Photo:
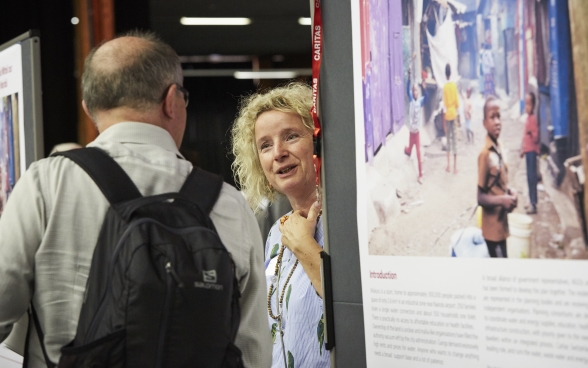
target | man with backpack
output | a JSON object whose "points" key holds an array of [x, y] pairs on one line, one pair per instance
{"points": [[125, 252]]}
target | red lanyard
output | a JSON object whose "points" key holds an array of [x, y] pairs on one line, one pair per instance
{"points": [[317, 56]]}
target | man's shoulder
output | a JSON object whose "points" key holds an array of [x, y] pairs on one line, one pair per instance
{"points": [[236, 225], [229, 192], [230, 200], [53, 166]]}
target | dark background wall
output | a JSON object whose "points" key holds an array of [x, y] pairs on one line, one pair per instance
{"points": [[53, 20], [57, 65]]}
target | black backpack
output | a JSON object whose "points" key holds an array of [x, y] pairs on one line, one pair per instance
{"points": [[162, 290]]}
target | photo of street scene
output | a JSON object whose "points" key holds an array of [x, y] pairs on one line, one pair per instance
{"points": [[472, 144], [9, 147]]}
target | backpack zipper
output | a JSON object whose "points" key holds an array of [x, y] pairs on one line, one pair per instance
{"points": [[170, 270], [171, 277]]}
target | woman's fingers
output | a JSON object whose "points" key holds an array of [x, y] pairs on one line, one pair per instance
{"points": [[299, 227]]}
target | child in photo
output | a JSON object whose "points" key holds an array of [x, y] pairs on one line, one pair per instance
{"points": [[488, 70], [415, 121], [494, 195], [467, 112], [450, 106], [530, 149]]}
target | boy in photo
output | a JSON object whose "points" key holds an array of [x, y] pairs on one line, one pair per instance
{"points": [[415, 121], [530, 149], [494, 195]]}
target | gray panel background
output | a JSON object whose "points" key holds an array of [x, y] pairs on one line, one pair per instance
{"points": [[338, 120], [32, 100]]}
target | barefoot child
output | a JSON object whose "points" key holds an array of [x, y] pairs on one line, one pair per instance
{"points": [[415, 121], [494, 195], [450, 106], [530, 149]]}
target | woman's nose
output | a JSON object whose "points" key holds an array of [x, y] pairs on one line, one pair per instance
{"points": [[279, 151]]}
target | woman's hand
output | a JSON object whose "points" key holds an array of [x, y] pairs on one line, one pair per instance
{"points": [[298, 235], [298, 230]]}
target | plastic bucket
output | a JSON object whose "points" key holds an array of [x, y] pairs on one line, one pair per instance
{"points": [[518, 243], [519, 221]]}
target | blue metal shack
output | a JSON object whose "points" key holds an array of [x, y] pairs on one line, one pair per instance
{"points": [[563, 107], [561, 66]]}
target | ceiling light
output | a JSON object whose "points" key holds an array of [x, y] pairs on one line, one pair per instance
{"points": [[75, 20], [216, 58], [282, 74], [188, 21], [249, 74], [304, 21]]}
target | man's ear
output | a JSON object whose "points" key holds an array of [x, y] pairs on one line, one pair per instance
{"points": [[86, 109], [169, 102]]}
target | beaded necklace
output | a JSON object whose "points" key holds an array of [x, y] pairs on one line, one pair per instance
{"points": [[274, 279]]}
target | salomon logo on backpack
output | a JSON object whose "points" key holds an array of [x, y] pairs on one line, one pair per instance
{"points": [[162, 290]]}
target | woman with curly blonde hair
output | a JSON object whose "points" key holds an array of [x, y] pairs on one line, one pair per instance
{"points": [[272, 140]]}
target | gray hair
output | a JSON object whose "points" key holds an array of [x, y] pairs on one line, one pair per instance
{"points": [[135, 78]]}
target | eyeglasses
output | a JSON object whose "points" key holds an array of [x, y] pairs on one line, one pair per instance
{"points": [[181, 89], [185, 92]]}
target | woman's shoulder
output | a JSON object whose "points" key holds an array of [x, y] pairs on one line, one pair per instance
{"points": [[274, 233]]}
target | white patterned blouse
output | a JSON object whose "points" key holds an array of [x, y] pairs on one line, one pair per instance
{"points": [[302, 323]]}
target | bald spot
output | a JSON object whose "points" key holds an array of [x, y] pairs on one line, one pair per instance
{"points": [[118, 53]]}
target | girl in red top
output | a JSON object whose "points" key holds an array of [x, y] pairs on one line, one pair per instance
{"points": [[530, 150]]}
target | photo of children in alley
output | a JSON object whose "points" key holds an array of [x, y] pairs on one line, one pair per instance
{"points": [[472, 144], [9, 147]]}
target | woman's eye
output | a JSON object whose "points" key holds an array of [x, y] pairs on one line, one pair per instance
{"points": [[292, 136], [263, 146]]}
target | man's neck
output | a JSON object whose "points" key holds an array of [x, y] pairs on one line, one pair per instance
{"points": [[106, 119]]}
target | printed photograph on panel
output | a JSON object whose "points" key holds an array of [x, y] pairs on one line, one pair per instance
{"points": [[9, 147], [472, 144]]}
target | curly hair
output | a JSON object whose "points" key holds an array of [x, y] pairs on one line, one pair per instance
{"points": [[293, 98]]}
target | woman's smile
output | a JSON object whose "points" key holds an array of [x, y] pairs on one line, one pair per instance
{"points": [[290, 169]]}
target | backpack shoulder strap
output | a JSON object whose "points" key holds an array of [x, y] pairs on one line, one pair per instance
{"points": [[203, 188], [33, 318], [112, 180]]}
